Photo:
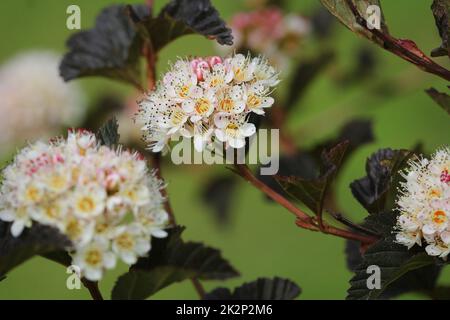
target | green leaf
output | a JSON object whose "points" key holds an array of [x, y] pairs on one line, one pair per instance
{"points": [[342, 11], [260, 289], [312, 192], [184, 17], [108, 134], [382, 168], [401, 270], [37, 240], [111, 49], [441, 13], [171, 260], [440, 98]]}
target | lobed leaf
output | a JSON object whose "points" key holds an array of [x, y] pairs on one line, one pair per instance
{"points": [[110, 49], [184, 17], [382, 167], [312, 192], [401, 270], [171, 260], [37, 240]]}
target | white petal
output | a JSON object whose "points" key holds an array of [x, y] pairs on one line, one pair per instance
{"points": [[7, 215], [433, 250], [158, 146], [428, 229], [93, 274], [158, 233], [237, 143], [143, 246], [198, 143], [220, 120], [109, 260], [248, 129], [17, 227], [239, 106], [267, 102], [196, 118], [258, 111], [445, 236], [128, 257], [188, 106], [220, 135]]}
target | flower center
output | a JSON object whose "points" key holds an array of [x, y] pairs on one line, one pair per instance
{"points": [[101, 227], [184, 91], [226, 105], [52, 212], [231, 130], [125, 241], [57, 182], [253, 101], [86, 204], [73, 229], [439, 217], [216, 81], [202, 106], [32, 193], [238, 74], [435, 193], [93, 257]]}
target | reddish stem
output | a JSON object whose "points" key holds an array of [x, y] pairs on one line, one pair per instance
{"points": [[392, 45], [303, 219]]}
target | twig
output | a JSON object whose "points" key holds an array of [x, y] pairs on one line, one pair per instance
{"points": [[392, 45], [339, 217], [93, 289], [303, 219], [198, 287]]}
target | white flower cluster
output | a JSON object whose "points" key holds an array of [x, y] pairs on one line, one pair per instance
{"points": [[105, 201], [208, 99], [35, 100], [424, 205]]}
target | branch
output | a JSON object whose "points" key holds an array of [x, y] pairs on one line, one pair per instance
{"points": [[303, 220], [93, 289], [339, 217], [398, 47]]}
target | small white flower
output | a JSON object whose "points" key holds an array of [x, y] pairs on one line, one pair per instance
{"points": [[424, 203], [20, 218], [233, 130], [93, 259], [129, 243], [88, 202]]}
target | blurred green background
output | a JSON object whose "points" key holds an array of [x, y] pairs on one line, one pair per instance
{"points": [[262, 240]]}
